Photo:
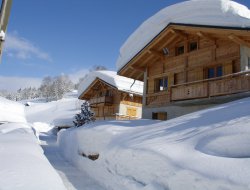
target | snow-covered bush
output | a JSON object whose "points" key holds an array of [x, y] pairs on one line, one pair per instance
{"points": [[85, 116]]}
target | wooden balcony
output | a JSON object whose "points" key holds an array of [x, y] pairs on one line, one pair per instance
{"points": [[158, 99], [225, 85], [101, 100]]}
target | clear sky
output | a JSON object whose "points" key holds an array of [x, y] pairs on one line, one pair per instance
{"points": [[50, 37]]}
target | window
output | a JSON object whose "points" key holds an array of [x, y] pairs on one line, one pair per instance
{"points": [[210, 73], [219, 71], [108, 93], [160, 115], [161, 84], [193, 46], [180, 50], [216, 71]]}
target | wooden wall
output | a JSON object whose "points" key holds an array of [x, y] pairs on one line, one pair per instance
{"points": [[191, 66]]}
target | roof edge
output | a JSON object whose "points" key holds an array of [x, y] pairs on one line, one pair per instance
{"points": [[97, 78], [182, 24]]}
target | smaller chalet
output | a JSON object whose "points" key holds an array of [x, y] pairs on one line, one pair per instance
{"points": [[112, 97]]}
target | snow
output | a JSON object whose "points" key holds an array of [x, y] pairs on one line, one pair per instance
{"points": [[11, 111], [46, 115], [208, 149], [23, 165], [224, 13], [73, 178], [110, 77], [43, 116]]}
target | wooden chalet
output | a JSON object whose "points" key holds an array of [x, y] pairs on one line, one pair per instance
{"points": [[112, 97], [187, 67]]}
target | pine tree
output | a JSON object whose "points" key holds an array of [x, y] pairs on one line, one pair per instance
{"points": [[85, 116]]}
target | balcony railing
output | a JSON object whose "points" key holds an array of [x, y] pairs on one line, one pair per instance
{"points": [[225, 85], [103, 99]]}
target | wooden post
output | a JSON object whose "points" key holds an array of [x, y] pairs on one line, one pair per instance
{"points": [[144, 99], [103, 112]]}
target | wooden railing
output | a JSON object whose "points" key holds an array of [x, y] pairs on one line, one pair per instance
{"points": [[225, 85], [103, 99], [160, 98]]}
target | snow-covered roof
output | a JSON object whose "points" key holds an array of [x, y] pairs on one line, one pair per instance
{"points": [[223, 13], [110, 77]]}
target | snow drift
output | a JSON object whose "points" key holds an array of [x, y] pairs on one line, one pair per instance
{"points": [[23, 165], [208, 149], [11, 111], [224, 13]]}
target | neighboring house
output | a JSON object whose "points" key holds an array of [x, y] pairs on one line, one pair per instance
{"points": [[190, 56], [111, 96]]}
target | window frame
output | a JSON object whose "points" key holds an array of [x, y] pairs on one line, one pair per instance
{"points": [[161, 87], [189, 46], [216, 72], [177, 50]]}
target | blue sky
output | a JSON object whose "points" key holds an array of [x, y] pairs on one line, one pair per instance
{"points": [[50, 37]]}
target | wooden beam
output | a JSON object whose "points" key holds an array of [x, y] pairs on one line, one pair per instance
{"points": [[179, 33], [156, 53], [135, 68], [139, 76], [152, 62], [206, 36], [169, 41], [238, 40], [211, 30]]}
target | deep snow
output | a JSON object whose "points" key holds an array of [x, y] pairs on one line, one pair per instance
{"points": [[225, 13], [73, 178], [11, 111], [208, 149], [23, 165], [44, 117]]}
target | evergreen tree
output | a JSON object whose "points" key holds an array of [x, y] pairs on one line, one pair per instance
{"points": [[85, 116]]}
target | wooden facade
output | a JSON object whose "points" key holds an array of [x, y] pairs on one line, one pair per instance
{"points": [[109, 103], [187, 62]]}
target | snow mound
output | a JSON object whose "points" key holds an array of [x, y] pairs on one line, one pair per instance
{"points": [[23, 165], [10, 127], [110, 77], [224, 13], [11, 111], [208, 149], [225, 146]]}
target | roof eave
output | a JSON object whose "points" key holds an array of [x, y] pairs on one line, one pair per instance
{"points": [[180, 24], [91, 84]]}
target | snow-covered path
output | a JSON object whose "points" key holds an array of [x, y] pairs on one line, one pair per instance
{"points": [[71, 176]]}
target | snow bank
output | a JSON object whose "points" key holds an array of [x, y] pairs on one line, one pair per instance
{"points": [[200, 12], [208, 149], [22, 163], [110, 77], [11, 111]]}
